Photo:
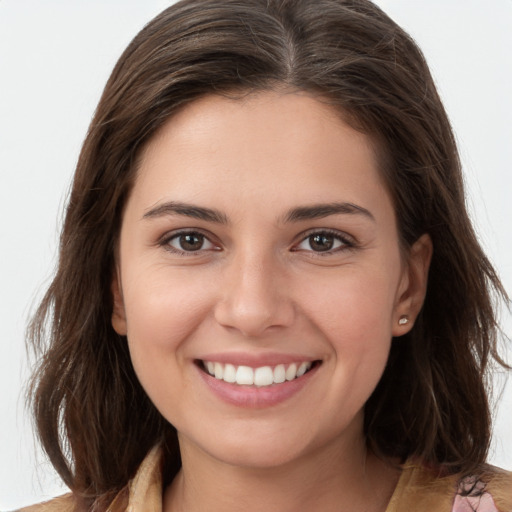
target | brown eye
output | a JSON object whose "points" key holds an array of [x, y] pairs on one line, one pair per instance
{"points": [[189, 242], [324, 241], [321, 242]]}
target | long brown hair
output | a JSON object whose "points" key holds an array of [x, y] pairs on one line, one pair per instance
{"points": [[94, 420]]}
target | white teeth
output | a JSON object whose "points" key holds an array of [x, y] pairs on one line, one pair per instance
{"points": [[219, 371], [262, 376], [279, 374], [245, 376], [302, 369], [229, 373], [291, 373]]}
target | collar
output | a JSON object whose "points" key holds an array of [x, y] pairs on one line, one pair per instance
{"points": [[418, 489], [144, 492]]}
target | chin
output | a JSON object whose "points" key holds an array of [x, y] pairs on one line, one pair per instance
{"points": [[252, 450], [258, 456]]}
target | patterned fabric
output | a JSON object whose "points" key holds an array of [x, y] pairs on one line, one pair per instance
{"points": [[418, 490], [473, 497]]}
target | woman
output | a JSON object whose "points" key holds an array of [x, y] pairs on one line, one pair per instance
{"points": [[269, 294]]}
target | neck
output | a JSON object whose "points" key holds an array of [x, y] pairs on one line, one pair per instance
{"points": [[332, 477]]}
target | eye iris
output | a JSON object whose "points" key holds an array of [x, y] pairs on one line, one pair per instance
{"points": [[321, 242], [191, 242]]}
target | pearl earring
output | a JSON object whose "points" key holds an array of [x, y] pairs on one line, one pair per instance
{"points": [[403, 320]]}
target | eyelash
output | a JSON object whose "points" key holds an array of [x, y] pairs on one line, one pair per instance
{"points": [[167, 239], [346, 242]]}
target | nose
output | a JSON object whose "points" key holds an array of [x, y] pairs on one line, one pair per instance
{"points": [[255, 297]]}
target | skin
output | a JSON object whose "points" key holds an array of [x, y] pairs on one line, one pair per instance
{"points": [[258, 285]]}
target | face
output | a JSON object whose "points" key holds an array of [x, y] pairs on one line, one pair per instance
{"points": [[260, 278]]}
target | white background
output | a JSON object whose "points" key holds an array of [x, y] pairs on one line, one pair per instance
{"points": [[55, 57]]}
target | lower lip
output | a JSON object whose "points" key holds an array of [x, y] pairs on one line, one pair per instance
{"points": [[253, 396]]}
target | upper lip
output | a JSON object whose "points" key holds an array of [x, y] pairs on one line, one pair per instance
{"points": [[256, 360]]}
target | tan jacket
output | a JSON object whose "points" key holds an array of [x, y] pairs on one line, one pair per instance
{"points": [[417, 491]]}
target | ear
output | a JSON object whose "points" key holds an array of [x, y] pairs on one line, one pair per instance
{"points": [[413, 286], [118, 312]]}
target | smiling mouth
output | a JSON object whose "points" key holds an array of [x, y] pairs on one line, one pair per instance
{"points": [[261, 376]]}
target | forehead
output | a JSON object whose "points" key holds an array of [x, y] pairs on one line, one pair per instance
{"points": [[286, 146]]}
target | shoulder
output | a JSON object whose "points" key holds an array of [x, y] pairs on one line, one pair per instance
{"points": [[423, 490], [490, 492], [145, 488], [64, 503]]}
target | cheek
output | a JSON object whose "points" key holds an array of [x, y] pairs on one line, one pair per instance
{"points": [[351, 305], [162, 313], [354, 315], [164, 308]]}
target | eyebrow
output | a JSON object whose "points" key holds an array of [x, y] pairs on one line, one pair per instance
{"points": [[319, 211], [301, 213], [188, 210]]}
